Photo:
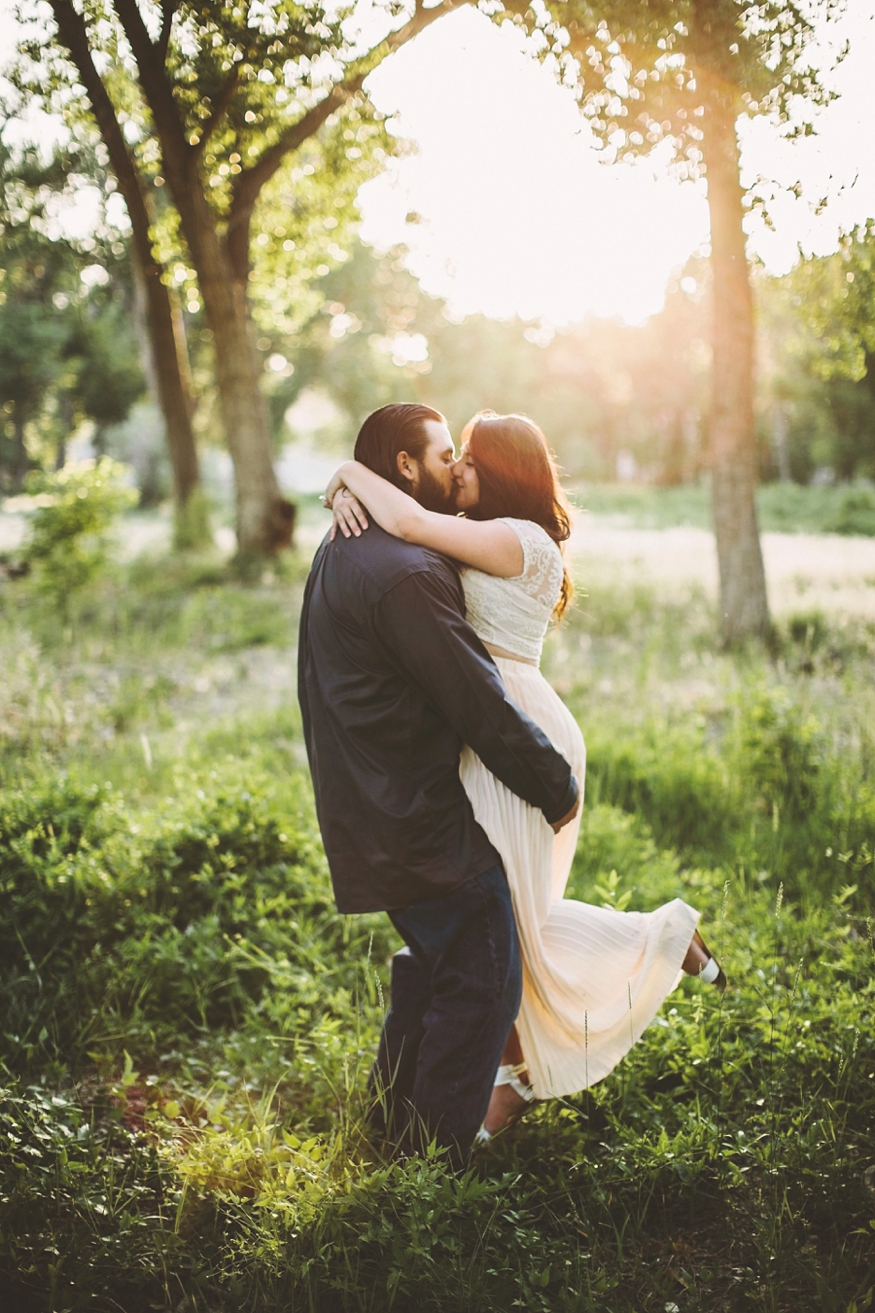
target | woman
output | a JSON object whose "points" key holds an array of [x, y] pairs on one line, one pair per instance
{"points": [[593, 978]]}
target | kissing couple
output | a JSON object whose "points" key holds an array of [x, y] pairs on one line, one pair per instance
{"points": [[448, 778]]}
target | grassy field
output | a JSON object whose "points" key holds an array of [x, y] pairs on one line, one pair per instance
{"points": [[782, 507], [187, 1023]]}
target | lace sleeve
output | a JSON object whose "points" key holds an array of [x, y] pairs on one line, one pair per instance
{"points": [[543, 568]]}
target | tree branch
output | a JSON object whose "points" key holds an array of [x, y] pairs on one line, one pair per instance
{"points": [[168, 10], [156, 87], [223, 100], [251, 181], [73, 33]]}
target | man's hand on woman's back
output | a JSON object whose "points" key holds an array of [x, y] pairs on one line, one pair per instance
{"points": [[566, 820]]}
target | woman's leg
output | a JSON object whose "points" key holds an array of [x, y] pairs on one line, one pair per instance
{"points": [[701, 962], [505, 1105], [695, 959], [513, 1050]]}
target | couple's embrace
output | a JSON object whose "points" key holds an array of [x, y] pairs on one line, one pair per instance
{"points": [[449, 776]]}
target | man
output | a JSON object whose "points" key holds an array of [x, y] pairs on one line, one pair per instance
{"points": [[392, 681]]}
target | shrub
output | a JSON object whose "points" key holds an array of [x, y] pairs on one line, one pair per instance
{"points": [[155, 927], [855, 514], [75, 508]]}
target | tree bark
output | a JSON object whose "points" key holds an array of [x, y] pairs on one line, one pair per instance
{"points": [[265, 519], [169, 353], [20, 460], [168, 370], [743, 599]]}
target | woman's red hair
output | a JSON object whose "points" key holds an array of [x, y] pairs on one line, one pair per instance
{"points": [[518, 478]]}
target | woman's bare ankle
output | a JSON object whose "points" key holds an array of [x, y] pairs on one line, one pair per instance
{"points": [[505, 1105], [695, 959]]}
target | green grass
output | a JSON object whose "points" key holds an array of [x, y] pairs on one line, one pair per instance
{"points": [[782, 507], [187, 1023]]}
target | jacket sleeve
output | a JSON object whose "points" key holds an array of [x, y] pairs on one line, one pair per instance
{"points": [[421, 626]]}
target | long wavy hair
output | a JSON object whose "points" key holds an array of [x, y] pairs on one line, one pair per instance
{"points": [[518, 478]]}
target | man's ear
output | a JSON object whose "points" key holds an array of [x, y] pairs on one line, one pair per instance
{"points": [[407, 467]]}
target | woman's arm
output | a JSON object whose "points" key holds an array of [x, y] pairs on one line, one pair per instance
{"points": [[489, 545]]}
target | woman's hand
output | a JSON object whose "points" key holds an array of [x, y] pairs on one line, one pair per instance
{"points": [[349, 514]]}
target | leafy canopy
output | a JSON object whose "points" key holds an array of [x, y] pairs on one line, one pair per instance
{"points": [[646, 70]]}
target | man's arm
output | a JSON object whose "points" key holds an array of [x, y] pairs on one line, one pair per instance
{"points": [[420, 623]]}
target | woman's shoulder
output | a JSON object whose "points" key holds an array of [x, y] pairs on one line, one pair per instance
{"points": [[531, 535]]}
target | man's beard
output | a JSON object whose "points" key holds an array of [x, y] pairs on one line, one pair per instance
{"points": [[431, 494]]}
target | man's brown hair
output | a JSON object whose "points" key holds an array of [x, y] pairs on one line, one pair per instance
{"points": [[390, 430]]}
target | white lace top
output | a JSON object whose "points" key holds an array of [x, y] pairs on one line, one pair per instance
{"points": [[514, 613]]}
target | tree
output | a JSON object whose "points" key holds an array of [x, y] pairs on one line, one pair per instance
{"points": [[66, 349], [166, 346], [820, 339], [228, 92], [836, 295], [682, 72]]}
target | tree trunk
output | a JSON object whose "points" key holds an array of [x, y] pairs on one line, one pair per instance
{"points": [[66, 429], [265, 520], [20, 459], [166, 368], [743, 601], [169, 356], [168, 360]]}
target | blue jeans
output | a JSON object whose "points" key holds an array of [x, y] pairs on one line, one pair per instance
{"points": [[455, 995]]}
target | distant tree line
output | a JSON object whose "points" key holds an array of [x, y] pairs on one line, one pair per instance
{"points": [[72, 350], [603, 390]]}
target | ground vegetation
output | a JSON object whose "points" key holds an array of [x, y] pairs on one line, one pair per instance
{"points": [[187, 1023]]}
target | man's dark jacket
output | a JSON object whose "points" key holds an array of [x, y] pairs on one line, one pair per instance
{"points": [[392, 680]]}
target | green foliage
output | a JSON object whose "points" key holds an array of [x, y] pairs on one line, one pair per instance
{"points": [[188, 1023], [595, 389], [856, 514], [161, 927], [97, 1240], [752, 780], [67, 351], [835, 297], [782, 507], [75, 509], [670, 65], [820, 362]]}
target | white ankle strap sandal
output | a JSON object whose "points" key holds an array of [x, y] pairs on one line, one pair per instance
{"points": [[509, 1074], [710, 971]]}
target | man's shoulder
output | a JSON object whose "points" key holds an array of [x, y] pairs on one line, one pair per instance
{"points": [[384, 561]]}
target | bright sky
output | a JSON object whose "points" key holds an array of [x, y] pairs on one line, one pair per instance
{"points": [[521, 218], [518, 215]]}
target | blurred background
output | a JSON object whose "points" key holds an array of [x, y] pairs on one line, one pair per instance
{"points": [[476, 253]]}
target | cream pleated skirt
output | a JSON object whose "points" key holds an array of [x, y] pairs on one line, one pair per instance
{"points": [[593, 978]]}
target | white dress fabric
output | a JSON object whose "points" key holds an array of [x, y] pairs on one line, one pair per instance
{"points": [[593, 978]]}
